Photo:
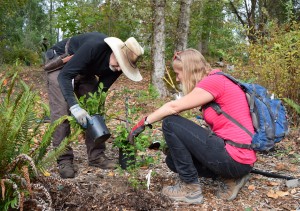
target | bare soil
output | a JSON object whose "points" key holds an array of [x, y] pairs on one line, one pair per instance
{"points": [[97, 189]]}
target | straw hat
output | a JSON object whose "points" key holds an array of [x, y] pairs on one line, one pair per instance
{"points": [[127, 54]]}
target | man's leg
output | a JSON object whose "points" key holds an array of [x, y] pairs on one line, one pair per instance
{"points": [[95, 151], [58, 108]]}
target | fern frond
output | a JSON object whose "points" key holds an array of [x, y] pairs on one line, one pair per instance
{"points": [[25, 172], [10, 89], [41, 188], [41, 150], [54, 154], [7, 115], [21, 157], [22, 121], [293, 104], [15, 189]]}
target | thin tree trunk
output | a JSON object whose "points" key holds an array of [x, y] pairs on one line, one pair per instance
{"points": [[51, 28], [183, 25], [159, 47]]}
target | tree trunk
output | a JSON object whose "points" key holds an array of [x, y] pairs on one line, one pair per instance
{"points": [[159, 47], [183, 25], [51, 27]]}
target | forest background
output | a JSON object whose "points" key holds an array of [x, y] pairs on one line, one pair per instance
{"points": [[259, 38]]}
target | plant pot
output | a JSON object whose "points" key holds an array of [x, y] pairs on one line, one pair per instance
{"points": [[98, 130], [126, 159], [154, 145]]}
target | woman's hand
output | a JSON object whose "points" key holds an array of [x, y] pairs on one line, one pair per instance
{"points": [[137, 129]]}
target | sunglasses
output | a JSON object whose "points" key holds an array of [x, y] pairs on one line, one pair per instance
{"points": [[176, 55]]}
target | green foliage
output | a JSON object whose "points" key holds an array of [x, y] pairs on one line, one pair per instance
{"points": [[208, 28], [24, 55], [150, 94], [23, 23], [292, 104], [17, 117], [274, 62], [94, 103], [20, 144], [138, 149]]}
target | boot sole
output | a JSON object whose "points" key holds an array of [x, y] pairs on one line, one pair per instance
{"points": [[238, 188], [197, 199], [103, 167]]}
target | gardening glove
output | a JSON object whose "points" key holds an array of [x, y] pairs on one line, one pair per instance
{"points": [[80, 115], [137, 129]]}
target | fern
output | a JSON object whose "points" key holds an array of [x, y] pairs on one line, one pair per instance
{"points": [[19, 111], [293, 104], [18, 118], [52, 155], [40, 152]]}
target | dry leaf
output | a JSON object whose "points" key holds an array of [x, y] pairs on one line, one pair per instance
{"points": [[46, 174], [4, 82], [293, 168], [281, 193], [293, 191], [251, 187], [272, 194], [111, 174], [275, 195], [280, 166], [270, 183]]}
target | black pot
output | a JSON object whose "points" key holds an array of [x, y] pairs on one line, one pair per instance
{"points": [[98, 130], [125, 158]]}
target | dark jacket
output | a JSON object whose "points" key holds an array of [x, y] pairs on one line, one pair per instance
{"points": [[90, 57]]}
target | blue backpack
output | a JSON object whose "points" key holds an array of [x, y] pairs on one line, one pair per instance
{"points": [[268, 116]]}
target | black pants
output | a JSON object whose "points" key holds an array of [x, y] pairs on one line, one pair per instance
{"points": [[59, 107], [195, 151]]}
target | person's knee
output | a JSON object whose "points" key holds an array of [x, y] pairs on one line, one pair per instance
{"points": [[169, 119]]}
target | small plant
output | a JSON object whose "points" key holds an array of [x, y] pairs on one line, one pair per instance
{"points": [[94, 103], [131, 150], [150, 94], [136, 153]]}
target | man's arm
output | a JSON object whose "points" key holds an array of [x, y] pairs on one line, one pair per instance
{"points": [[77, 65]]}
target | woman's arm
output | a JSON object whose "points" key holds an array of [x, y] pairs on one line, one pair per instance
{"points": [[195, 98]]}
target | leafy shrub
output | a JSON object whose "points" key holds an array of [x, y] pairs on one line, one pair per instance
{"points": [[26, 56], [274, 62], [138, 149], [94, 103]]}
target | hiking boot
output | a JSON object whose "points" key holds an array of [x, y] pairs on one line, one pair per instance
{"points": [[230, 187], [103, 162], [66, 169], [186, 192]]}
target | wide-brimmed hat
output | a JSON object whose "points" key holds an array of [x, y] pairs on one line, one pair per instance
{"points": [[127, 54]]}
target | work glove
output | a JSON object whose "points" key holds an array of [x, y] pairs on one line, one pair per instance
{"points": [[137, 129], [80, 115]]}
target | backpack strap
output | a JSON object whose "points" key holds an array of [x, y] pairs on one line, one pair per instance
{"points": [[219, 111], [243, 146]]}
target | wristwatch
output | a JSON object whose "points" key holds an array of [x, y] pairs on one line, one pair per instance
{"points": [[146, 123]]}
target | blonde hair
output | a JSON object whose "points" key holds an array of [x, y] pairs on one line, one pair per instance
{"points": [[194, 67]]}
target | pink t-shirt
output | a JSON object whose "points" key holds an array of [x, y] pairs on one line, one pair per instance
{"points": [[233, 101]]}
